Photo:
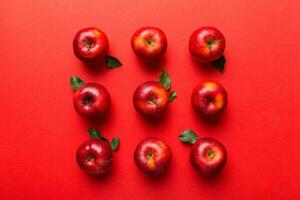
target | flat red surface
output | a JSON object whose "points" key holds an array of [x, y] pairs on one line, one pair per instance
{"points": [[40, 130]]}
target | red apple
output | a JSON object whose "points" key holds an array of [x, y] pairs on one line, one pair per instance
{"points": [[207, 154], [95, 156], [90, 44], [152, 97], [152, 156], [207, 44], [149, 43], [90, 100], [209, 98]]}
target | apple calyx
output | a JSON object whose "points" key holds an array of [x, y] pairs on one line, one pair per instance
{"points": [[76, 82], [165, 80], [219, 64], [88, 43], [188, 136], [112, 62], [95, 134], [210, 154]]}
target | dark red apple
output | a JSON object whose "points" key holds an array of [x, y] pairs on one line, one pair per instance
{"points": [[149, 43], [152, 156], [207, 44], [90, 100], [152, 97], [209, 98], [95, 156], [207, 154], [90, 44]]}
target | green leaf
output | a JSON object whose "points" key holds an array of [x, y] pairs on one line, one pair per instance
{"points": [[95, 134], [219, 64], [172, 96], [188, 136], [165, 79], [114, 143], [76, 82], [112, 62]]}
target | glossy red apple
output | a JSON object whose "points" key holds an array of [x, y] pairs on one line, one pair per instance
{"points": [[90, 100], [95, 156], [90, 44], [207, 154], [209, 98], [207, 44], [152, 156], [152, 97], [149, 43]]}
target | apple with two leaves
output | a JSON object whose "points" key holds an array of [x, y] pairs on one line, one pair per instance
{"points": [[152, 97], [95, 156]]}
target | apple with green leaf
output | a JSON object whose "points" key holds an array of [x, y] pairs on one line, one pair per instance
{"points": [[91, 45], [95, 155], [207, 44], [152, 97], [207, 155], [90, 100]]}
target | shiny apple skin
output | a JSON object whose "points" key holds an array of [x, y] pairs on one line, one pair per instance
{"points": [[90, 44], [151, 99], [209, 98], [91, 101], [149, 43], [208, 156], [207, 44], [94, 157], [152, 156]]}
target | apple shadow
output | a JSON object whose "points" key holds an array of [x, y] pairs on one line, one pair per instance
{"points": [[153, 121], [97, 122], [150, 66], [95, 68], [101, 177], [158, 179], [211, 179], [212, 122], [202, 67]]}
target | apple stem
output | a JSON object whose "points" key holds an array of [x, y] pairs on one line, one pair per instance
{"points": [[152, 100], [90, 157], [210, 154], [149, 154], [89, 43], [149, 42]]}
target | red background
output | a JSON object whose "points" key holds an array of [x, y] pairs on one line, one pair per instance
{"points": [[40, 130]]}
